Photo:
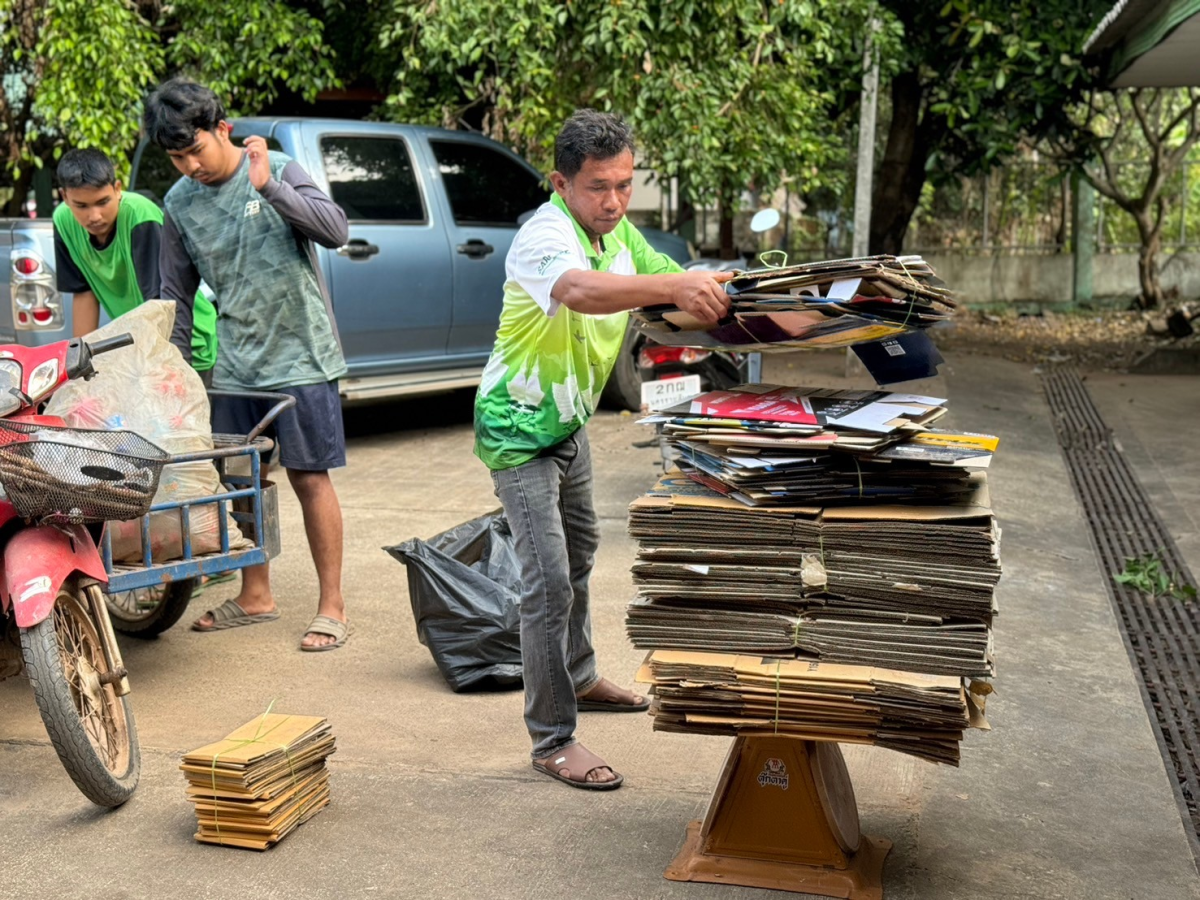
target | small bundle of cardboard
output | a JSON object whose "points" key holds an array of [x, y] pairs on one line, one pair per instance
{"points": [[254, 787]]}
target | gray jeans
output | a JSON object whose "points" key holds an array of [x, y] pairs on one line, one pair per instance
{"points": [[548, 503]]}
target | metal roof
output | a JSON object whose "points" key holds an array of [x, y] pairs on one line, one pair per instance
{"points": [[1117, 23]]}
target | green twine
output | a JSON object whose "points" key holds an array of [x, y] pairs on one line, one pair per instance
{"points": [[259, 734], [773, 254]]}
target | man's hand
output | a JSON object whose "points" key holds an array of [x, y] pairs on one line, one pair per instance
{"points": [[260, 163], [700, 295]]}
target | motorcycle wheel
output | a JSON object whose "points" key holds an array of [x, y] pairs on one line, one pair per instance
{"points": [[624, 387], [92, 729], [148, 612]]}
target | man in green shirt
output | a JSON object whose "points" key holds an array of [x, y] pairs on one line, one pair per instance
{"points": [[574, 271], [106, 247]]}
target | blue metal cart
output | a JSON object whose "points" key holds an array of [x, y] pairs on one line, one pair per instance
{"points": [[147, 597]]}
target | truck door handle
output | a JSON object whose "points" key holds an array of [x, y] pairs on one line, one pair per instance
{"points": [[476, 249], [358, 249]]}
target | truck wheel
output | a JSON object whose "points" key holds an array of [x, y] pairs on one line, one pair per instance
{"points": [[92, 729], [624, 388], [150, 611]]}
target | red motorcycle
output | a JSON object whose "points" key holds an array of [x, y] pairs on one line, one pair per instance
{"points": [[59, 484]]}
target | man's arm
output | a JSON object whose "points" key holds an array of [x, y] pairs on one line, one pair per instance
{"points": [[145, 246], [85, 308], [67, 276], [601, 293], [85, 313], [306, 208], [180, 281]]}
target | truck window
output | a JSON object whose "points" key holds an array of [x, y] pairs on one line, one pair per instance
{"points": [[372, 179], [486, 187]]}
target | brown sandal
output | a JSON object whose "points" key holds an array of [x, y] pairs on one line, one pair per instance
{"points": [[607, 697], [577, 758]]}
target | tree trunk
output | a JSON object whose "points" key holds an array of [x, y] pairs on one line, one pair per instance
{"points": [[1150, 232], [15, 207], [902, 172], [685, 219], [725, 234]]}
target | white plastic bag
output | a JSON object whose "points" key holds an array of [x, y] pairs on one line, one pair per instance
{"points": [[150, 389]]}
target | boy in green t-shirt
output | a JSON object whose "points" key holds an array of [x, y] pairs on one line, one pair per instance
{"points": [[106, 246]]}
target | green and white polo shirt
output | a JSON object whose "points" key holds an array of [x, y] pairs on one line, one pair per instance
{"points": [[550, 363]]}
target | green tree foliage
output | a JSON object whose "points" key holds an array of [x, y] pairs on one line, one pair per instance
{"points": [[73, 72], [972, 79], [247, 51], [1128, 144], [725, 94], [58, 80]]}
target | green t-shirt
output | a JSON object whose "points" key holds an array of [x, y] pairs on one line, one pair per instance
{"points": [[550, 363], [125, 273]]}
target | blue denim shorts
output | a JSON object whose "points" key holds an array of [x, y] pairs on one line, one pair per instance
{"points": [[310, 435]]}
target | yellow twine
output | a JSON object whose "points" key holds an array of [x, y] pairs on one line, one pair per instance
{"points": [[908, 275], [778, 664]]}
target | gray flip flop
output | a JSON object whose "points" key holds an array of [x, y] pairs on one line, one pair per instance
{"points": [[330, 626], [230, 615]]}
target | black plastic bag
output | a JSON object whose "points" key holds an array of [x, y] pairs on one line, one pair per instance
{"points": [[464, 586]]}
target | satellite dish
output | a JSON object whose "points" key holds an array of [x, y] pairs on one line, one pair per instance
{"points": [[764, 220]]}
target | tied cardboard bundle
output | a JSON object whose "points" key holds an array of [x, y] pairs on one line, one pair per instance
{"points": [[254, 787], [715, 693], [878, 305], [908, 587]]}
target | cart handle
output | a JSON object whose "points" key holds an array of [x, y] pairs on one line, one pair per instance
{"points": [[281, 401]]}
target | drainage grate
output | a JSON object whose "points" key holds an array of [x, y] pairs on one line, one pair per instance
{"points": [[1161, 635]]}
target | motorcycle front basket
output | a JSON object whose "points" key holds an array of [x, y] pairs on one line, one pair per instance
{"points": [[77, 475]]}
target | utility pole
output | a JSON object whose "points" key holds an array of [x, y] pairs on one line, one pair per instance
{"points": [[866, 166], [866, 143]]}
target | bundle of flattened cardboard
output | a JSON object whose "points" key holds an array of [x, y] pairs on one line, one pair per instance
{"points": [[882, 590], [879, 306], [909, 587], [718, 693], [832, 303], [254, 787]]}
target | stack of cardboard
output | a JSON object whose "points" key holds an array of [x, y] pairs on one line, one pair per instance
{"points": [[714, 693], [252, 788], [771, 445], [910, 587], [879, 306], [833, 303]]}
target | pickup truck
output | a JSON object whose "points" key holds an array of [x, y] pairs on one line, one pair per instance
{"points": [[416, 290]]}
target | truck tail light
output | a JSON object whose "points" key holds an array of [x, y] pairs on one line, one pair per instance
{"points": [[37, 304], [26, 265]]}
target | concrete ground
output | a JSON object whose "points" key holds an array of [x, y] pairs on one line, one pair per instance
{"points": [[433, 796]]}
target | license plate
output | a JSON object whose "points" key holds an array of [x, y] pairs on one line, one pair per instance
{"points": [[666, 392]]}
